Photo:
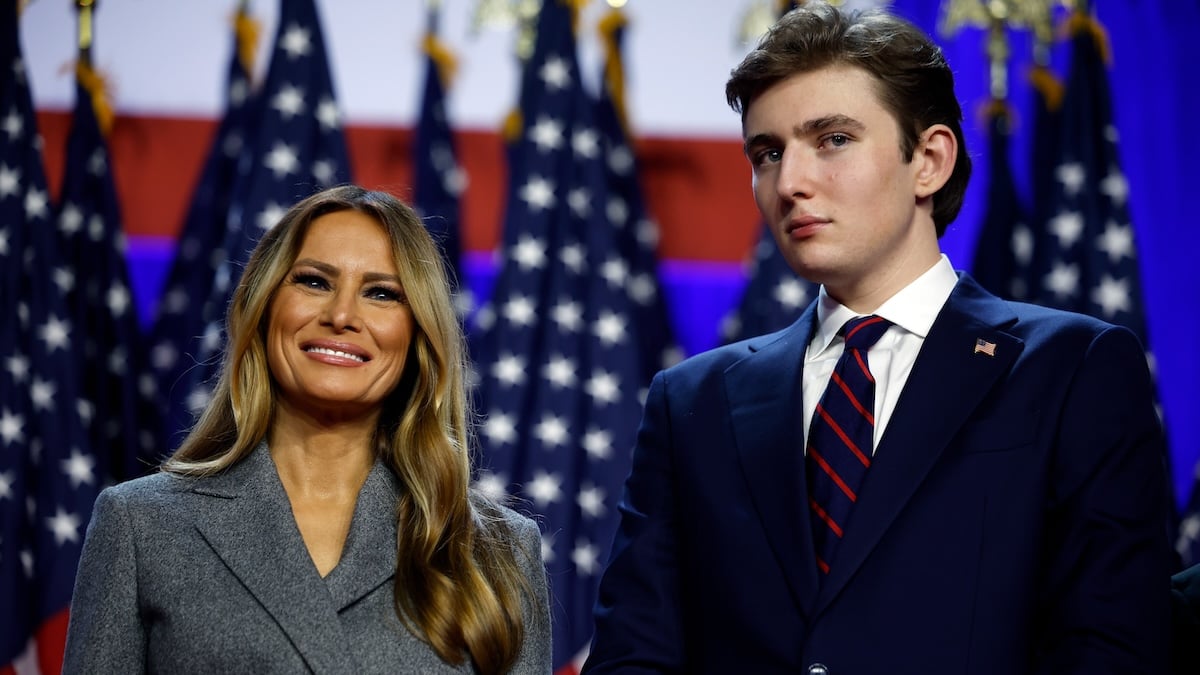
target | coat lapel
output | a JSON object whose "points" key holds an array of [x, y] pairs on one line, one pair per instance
{"points": [[948, 380], [369, 557], [245, 516], [765, 410]]}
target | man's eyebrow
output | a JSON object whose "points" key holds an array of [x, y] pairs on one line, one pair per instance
{"points": [[828, 121], [815, 125]]}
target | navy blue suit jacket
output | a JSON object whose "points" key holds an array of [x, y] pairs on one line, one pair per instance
{"points": [[1013, 520]]}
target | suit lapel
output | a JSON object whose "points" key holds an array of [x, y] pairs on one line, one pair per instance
{"points": [[765, 410], [245, 516], [948, 380], [369, 557]]}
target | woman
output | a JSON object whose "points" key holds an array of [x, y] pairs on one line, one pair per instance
{"points": [[318, 517]]}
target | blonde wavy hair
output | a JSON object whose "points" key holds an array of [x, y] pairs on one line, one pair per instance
{"points": [[459, 584]]}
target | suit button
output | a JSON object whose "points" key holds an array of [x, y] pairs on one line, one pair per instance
{"points": [[818, 669]]}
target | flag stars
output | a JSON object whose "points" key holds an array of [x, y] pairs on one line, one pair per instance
{"points": [[615, 272], [510, 370], [546, 134], [41, 393], [544, 489], [282, 160], [327, 114], [12, 427], [529, 253], [296, 41], [791, 293], [598, 443], [1115, 186], [36, 204], [12, 125], [573, 258], [1063, 280], [538, 193], [324, 171], [289, 101], [55, 333], [560, 372], [591, 500], [70, 220], [268, 218], [79, 469], [1022, 243], [1068, 227], [586, 143], [64, 279], [65, 526], [552, 431], [118, 299], [18, 367], [1116, 241], [500, 429], [568, 316], [610, 328], [1072, 176], [493, 485], [586, 558], [580, 201], [603, 387], [1112, 296], [6, 484], [10, 181], [519, 311], [555, 73], [620, 160]]}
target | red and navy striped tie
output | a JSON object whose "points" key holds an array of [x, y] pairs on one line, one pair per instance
{"points": [[840, 438]]}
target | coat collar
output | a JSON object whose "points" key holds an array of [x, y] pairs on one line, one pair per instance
{"points": [[948, 377], [246, 518]]}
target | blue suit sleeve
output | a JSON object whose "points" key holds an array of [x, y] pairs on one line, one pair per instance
{"points": [[1107, 581], [105, 633], [638, 615]]}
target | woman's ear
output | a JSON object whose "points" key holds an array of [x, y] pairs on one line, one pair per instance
{"points": [[935, 155]]}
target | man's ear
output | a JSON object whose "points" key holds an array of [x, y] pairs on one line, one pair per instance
{"points": [[935, 155]]}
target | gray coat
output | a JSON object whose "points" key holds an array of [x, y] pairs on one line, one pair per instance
{"points": [[210, 575]]}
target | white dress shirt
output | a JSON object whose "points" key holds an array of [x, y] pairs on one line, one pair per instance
{"points": [[912, 311]]}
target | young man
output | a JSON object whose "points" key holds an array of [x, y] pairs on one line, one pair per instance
{"points": [[954, 484]]}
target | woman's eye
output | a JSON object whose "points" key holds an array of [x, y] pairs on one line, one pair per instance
{"points": [[309, 281], [384, 293]]}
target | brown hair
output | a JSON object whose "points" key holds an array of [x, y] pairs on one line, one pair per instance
{"points": [[458, 581], [914, 81]]}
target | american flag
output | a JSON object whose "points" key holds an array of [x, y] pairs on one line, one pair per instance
{"points": [[438, 178], [1084, 252], [636, 257], [1004, 249], [294, 148], [48, 474], [122, 419], [559, 369], [174, 338], [774, 296]]}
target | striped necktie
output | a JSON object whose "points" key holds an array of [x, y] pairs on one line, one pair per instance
{"points": [[840, 438]]}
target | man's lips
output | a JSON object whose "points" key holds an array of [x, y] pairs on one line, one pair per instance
{"points": [[804, 226]]}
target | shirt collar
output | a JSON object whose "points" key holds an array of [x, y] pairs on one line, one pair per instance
{"points": [[913, 308]]}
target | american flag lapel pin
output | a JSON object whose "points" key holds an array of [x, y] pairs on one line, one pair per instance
{"points": [[984, 347]]}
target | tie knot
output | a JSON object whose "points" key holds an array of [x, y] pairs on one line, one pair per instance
{"points": [[863, 331]]}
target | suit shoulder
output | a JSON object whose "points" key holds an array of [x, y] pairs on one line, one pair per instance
{"points": [[1039, 323], [155, 489]]}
